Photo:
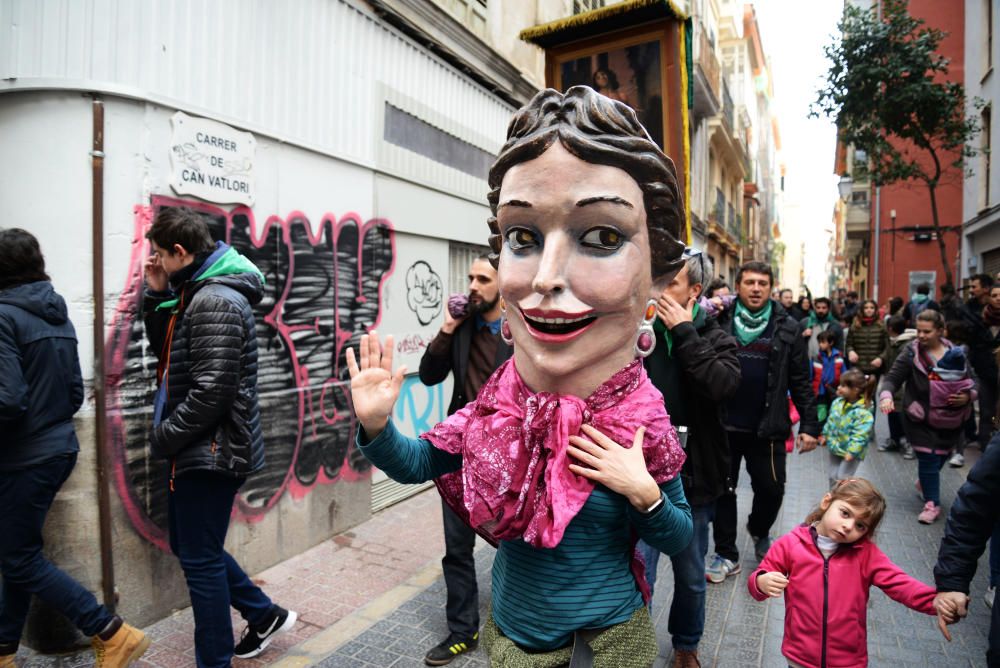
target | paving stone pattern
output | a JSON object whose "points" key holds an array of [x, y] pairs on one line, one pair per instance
{"points": [[739, 631], [334, 579]]}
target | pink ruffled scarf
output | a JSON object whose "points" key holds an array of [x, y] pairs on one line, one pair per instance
{"points": [[515, 480]]}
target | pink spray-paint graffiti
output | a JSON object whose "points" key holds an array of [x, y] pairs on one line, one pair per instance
{"points": [[323, 291]]}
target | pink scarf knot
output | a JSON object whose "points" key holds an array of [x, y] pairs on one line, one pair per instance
{"points": [[515, 480]]}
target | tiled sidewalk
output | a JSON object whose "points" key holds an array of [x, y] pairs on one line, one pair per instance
{"points": [[739, 631], [374, 598], [326, 585]]}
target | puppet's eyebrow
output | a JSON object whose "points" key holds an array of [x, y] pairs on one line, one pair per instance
{"points": [[614, 199], [515, 202]]}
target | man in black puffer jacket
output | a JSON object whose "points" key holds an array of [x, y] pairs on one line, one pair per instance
{"points": [[41, 388], [694, 365], [206, 421], [973, 518]]}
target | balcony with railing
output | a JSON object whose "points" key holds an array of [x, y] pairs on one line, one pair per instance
{"points": [[720, 208], [709, 69], [728, 108], [723, 223]]}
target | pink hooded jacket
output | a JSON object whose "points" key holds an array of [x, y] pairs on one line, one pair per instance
{"points": [[826, 600]]}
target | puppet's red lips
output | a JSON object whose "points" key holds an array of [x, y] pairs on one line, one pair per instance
{"points": [[557, 326], [557, 322]]}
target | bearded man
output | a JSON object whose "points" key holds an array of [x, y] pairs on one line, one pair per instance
{"points": [[471, 348]]}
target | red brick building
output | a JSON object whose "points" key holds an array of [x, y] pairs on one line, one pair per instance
{"points": [[908, 250]]}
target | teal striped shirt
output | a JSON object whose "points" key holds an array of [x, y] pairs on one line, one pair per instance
{"points": [[541, 596]]}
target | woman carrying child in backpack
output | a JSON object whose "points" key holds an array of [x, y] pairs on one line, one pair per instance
{"points": [[825, 569], [849, 425], [937, 400]]}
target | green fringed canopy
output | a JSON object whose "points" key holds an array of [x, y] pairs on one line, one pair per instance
{"points": [[600, 21]]}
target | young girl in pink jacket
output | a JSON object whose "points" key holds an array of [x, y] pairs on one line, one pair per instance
{"points": [[825, 568]]}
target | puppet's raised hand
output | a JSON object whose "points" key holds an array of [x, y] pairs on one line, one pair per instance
{"points": [[374, 387]]}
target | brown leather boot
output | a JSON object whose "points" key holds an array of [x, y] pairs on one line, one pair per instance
{"points": [[125, 646], [686, 658], [7, 661]]}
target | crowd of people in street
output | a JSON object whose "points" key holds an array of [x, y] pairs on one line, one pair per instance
{"points": [[607, 394]]}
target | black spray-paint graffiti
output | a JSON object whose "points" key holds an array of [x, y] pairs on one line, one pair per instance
{"points": [[424, 292], [323, 291]]}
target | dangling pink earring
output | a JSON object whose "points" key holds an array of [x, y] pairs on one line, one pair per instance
{"points": [[504, 325], [646, 341]]}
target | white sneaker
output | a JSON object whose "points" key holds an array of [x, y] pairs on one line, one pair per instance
{"points": [[988, 596], [956, 461], [720, 569]]}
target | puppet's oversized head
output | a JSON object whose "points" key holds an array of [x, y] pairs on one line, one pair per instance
{"points": [[587, 213]]}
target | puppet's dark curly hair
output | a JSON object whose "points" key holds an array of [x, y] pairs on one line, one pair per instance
{"points": [[601, 131]]}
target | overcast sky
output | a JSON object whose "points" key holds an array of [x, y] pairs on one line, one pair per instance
{"points": [[793, 33]]}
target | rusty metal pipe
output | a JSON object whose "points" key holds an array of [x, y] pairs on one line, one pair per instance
{"points": [[100, 397]]}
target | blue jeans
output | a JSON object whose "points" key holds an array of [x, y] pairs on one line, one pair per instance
{"points": [[198, 515], [25, 498], [687, 611], [929, 468]]}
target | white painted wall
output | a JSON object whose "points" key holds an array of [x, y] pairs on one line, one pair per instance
{"points": [[313, 73], [980, 200]]}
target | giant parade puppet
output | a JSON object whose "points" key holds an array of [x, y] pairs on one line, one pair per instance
{"points": [[567, 456]]}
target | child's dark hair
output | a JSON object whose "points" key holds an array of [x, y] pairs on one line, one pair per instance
{"points": [[856, 380], [716, 284], [826, 336], [957, 332], [858, 493], [897, 325]]}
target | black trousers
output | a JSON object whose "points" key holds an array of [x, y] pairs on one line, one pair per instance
{"points": [[462, 607], [987, 409], [765, 463]]}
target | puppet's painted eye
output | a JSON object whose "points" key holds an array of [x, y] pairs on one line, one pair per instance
{"points": [[520, 238], [603, 238]]}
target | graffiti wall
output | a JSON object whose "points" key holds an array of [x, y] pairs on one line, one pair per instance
{"points": [[343, 249], [324, 289]]}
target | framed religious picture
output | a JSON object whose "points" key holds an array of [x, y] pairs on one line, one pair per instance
{"points": [[631, 72], [635, 51]]}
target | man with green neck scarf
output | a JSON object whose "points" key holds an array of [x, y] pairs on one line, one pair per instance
{"points": [[206, 422], [694, 365], [773, 364], [819, 320]]}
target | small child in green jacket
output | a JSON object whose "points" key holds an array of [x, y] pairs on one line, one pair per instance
{"points": [[849, 425]]}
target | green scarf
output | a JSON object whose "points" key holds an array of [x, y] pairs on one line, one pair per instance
{"points": [[660, 328], [813, 320], [747, 325], [225, 261]]}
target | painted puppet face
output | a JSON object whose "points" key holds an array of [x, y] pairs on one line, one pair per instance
{"points": [[574, 269]]}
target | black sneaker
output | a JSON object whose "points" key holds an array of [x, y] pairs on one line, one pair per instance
{"points": [[256, 638], [452, 647]]}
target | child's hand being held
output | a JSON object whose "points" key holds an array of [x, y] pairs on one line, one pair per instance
{"points": [[772, 584], [951, 606]]}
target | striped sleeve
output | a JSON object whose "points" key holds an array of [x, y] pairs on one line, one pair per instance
{"points": [[669, 528], [404, 459]]}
